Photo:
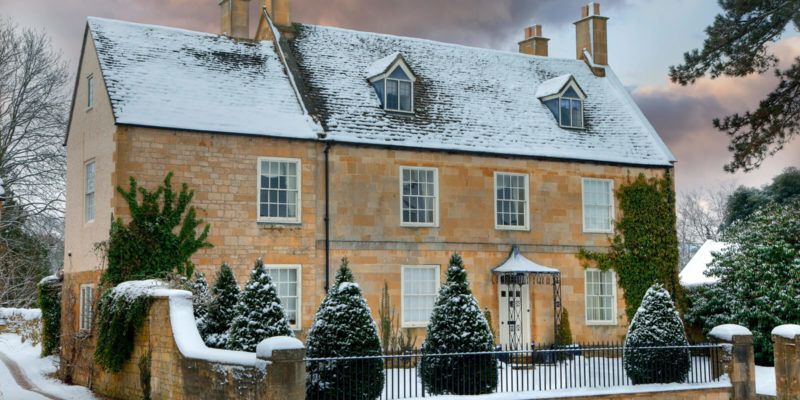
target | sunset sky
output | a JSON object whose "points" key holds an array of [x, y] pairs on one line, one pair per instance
{"points": [[645, 38]]}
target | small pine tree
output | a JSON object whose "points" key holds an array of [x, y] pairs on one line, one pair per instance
{"points": [[656, 323], [201, 296], [564, 331], [343, 327], [258, 314], [221, 310], [457, 325]]}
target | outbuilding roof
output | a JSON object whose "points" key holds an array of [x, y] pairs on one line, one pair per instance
{"points": [[174, 78], [693, 274]]}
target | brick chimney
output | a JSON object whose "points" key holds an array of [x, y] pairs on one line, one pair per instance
{"points": [[534, 44], [590, 34], [235, 18]]}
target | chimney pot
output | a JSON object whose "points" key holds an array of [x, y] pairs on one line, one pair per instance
{"points": [[235, 18], [534, 44], [591, 34]]}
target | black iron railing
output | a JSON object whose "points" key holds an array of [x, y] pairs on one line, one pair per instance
{"points": [[541, 368]]}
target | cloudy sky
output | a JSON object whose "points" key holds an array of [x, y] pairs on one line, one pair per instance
{"points": [[645, 38]]}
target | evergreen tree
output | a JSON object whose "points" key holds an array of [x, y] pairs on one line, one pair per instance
{"points": [[564, 331], [738, 45], [656, 323], [201, 297], [258, 314], [759, 284], [343, 327], [457, 325], [214, 328]]}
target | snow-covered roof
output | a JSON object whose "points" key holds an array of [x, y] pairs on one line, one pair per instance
{"points": [[552, 86], [517, 263], [468, 99], [693, 274], [174, 78]]}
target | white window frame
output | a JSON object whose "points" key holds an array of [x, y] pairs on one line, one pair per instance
{"points": [[437, 283], [89, 92], [86, 306], [86, 193], [280, 220], [435, 222], [613, 320], [571, 99], [527, 225], [612, 212], [299, 325], [399, 63]]}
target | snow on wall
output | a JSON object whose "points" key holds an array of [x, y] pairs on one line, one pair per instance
{"points": [[267, 346], [469, 99], [26, 313], [174, 78], [728, 331], [788, 331]]}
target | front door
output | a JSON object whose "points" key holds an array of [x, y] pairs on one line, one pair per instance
{"points": [[515, 311]]}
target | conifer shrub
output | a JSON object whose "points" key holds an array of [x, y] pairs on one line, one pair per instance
{"points": [[258, 313], [564, 337], [201, 296], [457, 325], [50, 303], [219, 316], [343, 327], [656, 323]]}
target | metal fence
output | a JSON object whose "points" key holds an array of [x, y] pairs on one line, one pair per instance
{"points": [[541, 368]]}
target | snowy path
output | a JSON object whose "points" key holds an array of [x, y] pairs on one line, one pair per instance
{"points": [[25, 376]]}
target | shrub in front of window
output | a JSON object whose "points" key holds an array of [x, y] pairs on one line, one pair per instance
{"points": [[458, 325], [656, 323], [219, 317], [644, 249], [160, 237], [50, 304], [258, 314], [343, 327]]}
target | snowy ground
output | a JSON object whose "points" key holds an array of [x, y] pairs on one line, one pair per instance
{"points": [[36, 371], [765, 380], [584, 376]]}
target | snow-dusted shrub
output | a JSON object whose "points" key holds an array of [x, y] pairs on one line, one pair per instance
{"points": [[214, 327], [201, 296], [656, 323], [343, 327], [759, 284], [458, 325], [50, 303], [258, 314]]}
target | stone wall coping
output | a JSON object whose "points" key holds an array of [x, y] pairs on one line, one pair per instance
{"points": [[726, 332], [187, 337], [265, 349], [787, 331]]}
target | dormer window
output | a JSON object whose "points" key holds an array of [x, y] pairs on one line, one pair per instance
{"points": [[393, 82], [564, 98]]}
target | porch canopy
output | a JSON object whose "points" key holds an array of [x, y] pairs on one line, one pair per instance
{"points": [[516, 270]]}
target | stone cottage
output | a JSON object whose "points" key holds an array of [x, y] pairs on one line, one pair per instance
{"points": [[308, 143]]}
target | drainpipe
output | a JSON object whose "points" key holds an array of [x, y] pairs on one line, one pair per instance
{"points": [[327, 220]]}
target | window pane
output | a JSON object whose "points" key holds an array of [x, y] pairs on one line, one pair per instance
{"points": [[279, 194], [405, 96], [419, 293], [577, 119], [398, 73], [599, 296], [511, 199], [565, 113], [379, 90], [418, 197], [391, 94]]}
